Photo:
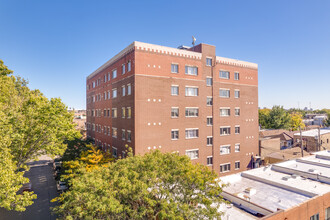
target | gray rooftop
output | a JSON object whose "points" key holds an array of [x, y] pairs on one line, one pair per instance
{"points": [[279, 186]]}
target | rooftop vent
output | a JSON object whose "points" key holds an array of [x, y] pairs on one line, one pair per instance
{"points": [[250, 191], [183, 47], [286, 178]]}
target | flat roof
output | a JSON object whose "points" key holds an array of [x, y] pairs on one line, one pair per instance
{"points": [[280, 186], [313, 132]]}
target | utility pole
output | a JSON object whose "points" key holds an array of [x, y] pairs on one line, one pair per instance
{"points": [[319, 140], [301, 142]]}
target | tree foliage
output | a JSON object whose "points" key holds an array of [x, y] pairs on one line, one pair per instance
{"points": [[153, 186], [30, 125], [276, 118], [296, 121]]}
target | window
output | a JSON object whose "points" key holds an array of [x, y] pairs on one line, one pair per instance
{"points": [[224, 74], [129, 136], [193, 154], [237, 165], [93, 127], [224, 112], [105, 78], [174, 90], [108, 76], [191, 112], [209, 121], [174, 68], [327, 213], [123, 135], [208, 62], [191, 70], [224, 168], [105, 95], [237, 147], [237, 93], [129, 112], [114, 93], [129, 89], [315, 217], [174, 134], [237, 129], [114, 113], [114, 74], [237, 112], [191, 91], [208, 81], [108, 131], [236, 76], [209, 141], [105, 113], [93, 84], [114, 152], [209, 101], [209, 161], [105, 130], [123, 91], [224, 130], [224, 149], [191, 133], [114, 132], [109, 95], [129, 66], [108, 113], [174, 112], [123, 112], [123, 69], [224, 93]]}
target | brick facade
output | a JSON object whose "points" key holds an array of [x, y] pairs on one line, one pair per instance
{"points": [[151, 102]]}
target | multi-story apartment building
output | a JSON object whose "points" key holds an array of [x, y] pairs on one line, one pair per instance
{"points": [[184, 100]]}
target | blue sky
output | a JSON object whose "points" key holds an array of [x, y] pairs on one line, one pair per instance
{"points": [[56, 44]]}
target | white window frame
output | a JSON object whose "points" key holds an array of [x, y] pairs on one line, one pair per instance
{"points": [[129, 89], [207, 138], [194, 71], [209, 117], [226, 146], [123, 134], [239, 147], [114, 73], [114, 131], [239, 162], [114, 93], [123, 112], [209, 164], [174, 130], [129, 112], [224, 71], [193, 115], [225, 164], [114, 112], [130, 135], [193, 158], [177, 67], [224, 89], [123, 90], [236, 75], [208, 61], [114, 149], [227, 111], [239, 129], [209, 97], [177, 90], [239, 93], [187, 93], [123, 69], [175, 108], [190, 129], [225, 127], [239, 110], [211, 80]]}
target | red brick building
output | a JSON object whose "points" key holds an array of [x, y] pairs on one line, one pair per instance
{"points": [[176, 100]]}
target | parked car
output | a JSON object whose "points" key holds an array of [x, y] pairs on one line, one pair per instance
{"points": [[61, 186], [57, 165], [27, 187]]}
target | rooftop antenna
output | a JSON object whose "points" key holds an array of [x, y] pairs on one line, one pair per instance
{"points": [[193, 41]]}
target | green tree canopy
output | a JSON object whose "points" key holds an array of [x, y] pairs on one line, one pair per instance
{"points": [[30, 125], [296, 121], [276, 118], [153, 186]]}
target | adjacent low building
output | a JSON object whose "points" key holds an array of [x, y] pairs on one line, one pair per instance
{"points": [[314, 140], [295, 189]]}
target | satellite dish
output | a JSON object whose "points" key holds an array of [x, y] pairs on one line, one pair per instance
{"points": [[193, 40]]}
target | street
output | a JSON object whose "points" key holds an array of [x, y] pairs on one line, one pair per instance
{"points": [[44, 185]]}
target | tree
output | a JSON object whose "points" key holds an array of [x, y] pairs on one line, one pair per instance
{"points": [[278, 118], [153, 186], [296, 121], [263, 115], [30, 125]]}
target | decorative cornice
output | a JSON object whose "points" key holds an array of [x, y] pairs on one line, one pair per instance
{"points": [[152, 48], [234, 62]]}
